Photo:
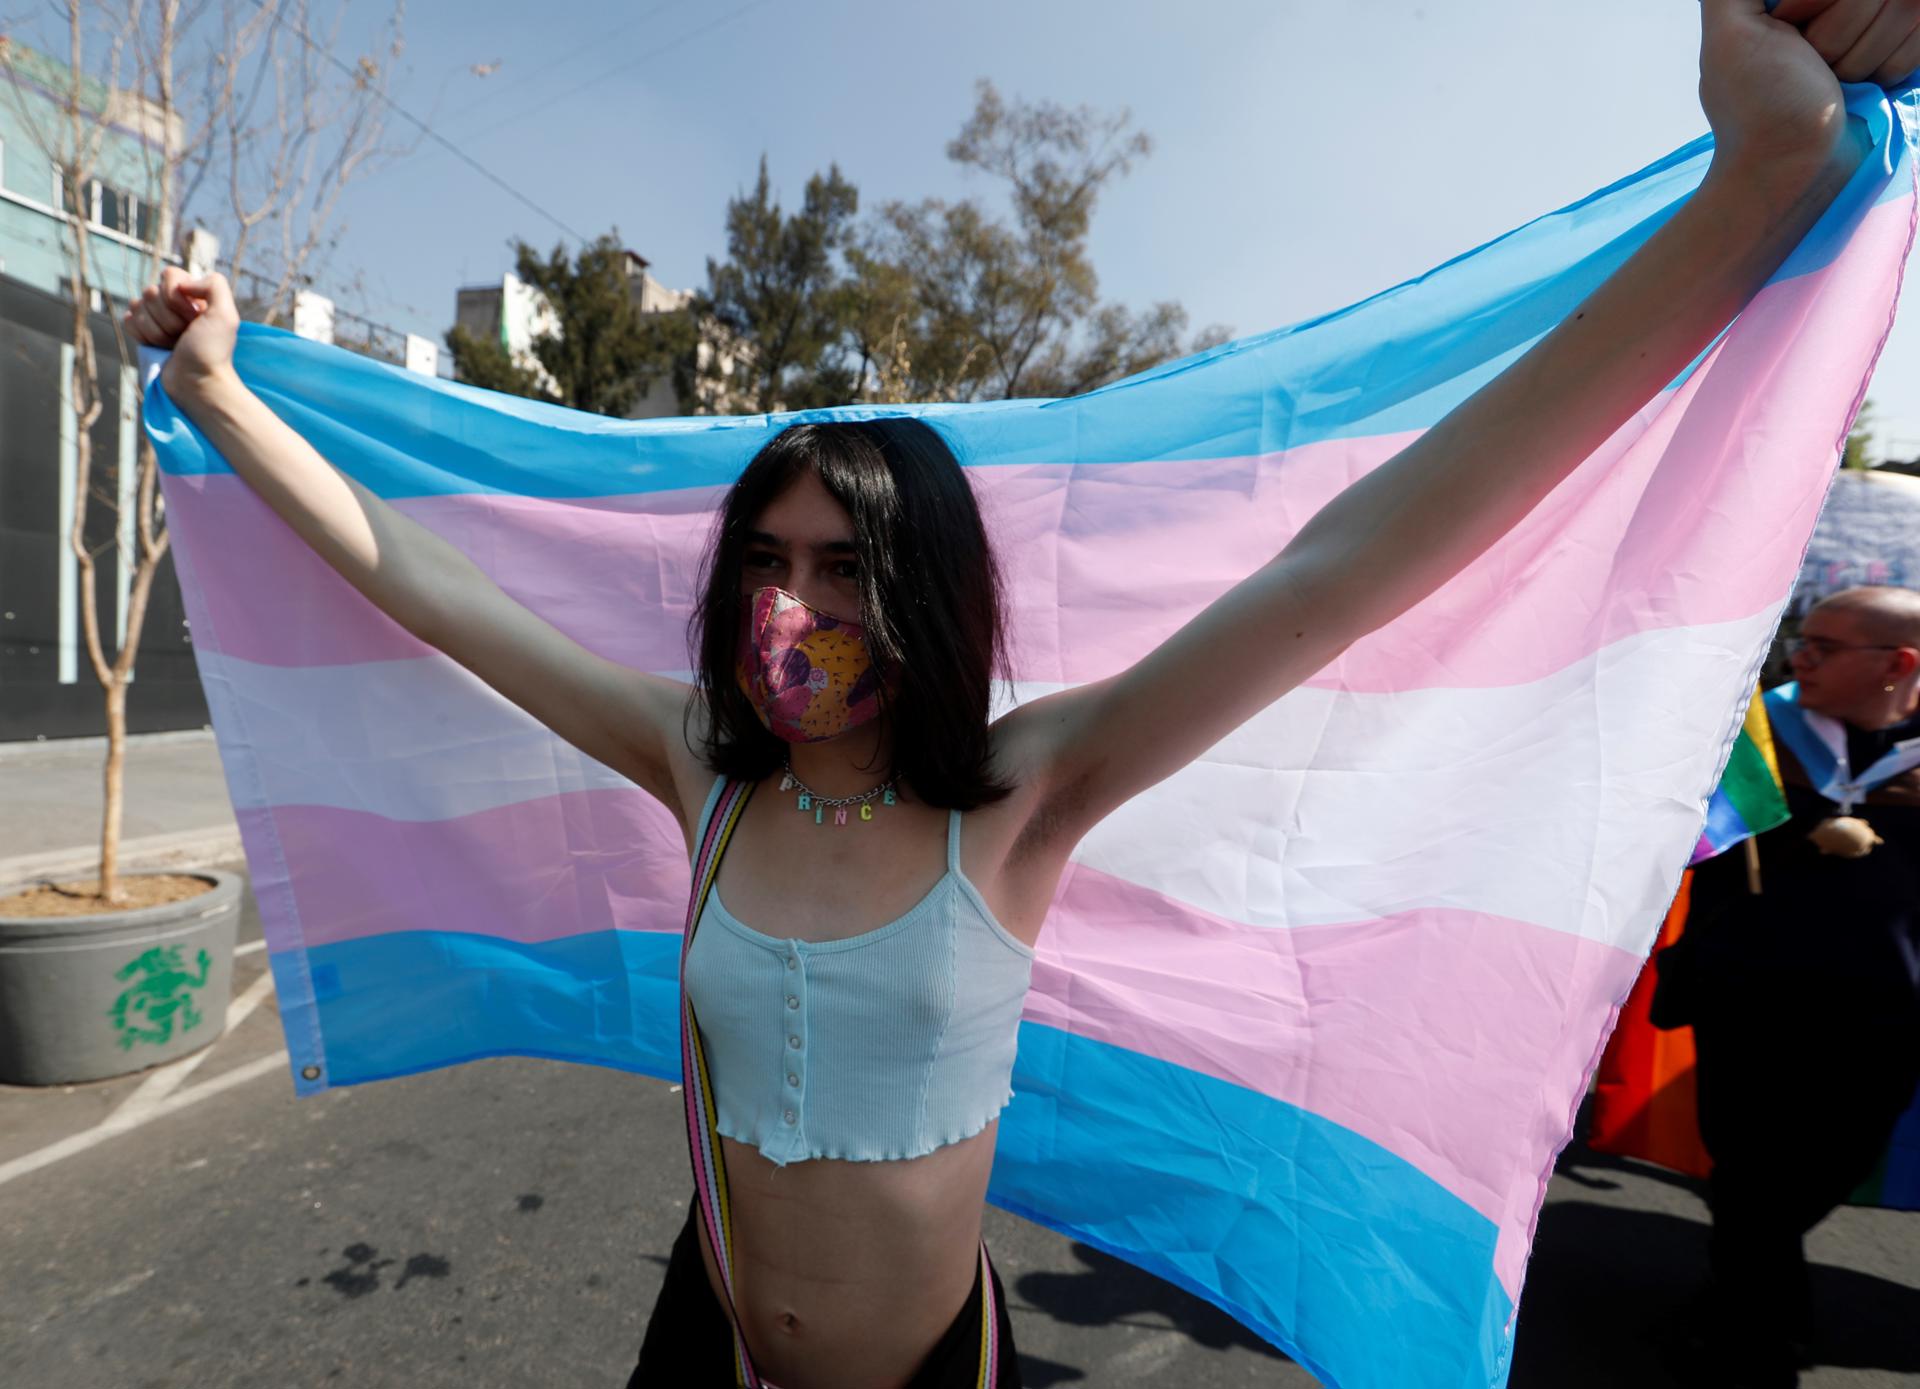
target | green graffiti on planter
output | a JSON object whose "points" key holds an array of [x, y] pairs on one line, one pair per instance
{"points": [[159, 997]]}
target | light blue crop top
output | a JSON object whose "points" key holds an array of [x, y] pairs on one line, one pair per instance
{"points": [[888, 1044]]}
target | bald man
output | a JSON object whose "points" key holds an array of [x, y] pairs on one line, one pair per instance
{"points": [[1805, 999]]}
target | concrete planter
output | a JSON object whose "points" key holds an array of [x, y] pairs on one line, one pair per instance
{"points": [[87, 997]]}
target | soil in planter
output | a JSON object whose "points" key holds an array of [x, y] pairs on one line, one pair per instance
{"points": [[81, 896]]}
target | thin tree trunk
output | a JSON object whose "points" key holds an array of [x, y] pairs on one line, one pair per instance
{"points": [[114, 780], [84, 404], [150, 543]]}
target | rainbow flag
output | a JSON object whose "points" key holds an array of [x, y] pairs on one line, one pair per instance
{"points": [[1310, 1019], [1749, 798], [1646, 1092]]}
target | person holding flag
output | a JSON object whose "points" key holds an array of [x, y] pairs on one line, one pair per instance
{"points": [[846, 1067]]}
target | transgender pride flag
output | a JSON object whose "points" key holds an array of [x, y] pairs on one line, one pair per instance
{"points": [[1310, 1020]]}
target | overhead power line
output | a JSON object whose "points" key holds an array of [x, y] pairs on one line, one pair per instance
{"points": [[625, 65], [427, 130], [516, 81]]}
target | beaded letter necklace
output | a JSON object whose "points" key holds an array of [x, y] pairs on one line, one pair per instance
{"points": [[811, 800]]}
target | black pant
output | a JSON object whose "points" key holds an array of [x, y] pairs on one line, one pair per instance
{"points": [[1795, 1112], [689, 1344]]}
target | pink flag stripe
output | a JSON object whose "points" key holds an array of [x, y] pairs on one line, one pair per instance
{"points": [[1665, 512], [528, 871], [544, 552], [1426, 1032]]}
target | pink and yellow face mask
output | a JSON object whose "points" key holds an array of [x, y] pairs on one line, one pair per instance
{"points": [[808, 675]]}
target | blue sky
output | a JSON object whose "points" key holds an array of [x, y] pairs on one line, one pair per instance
{"points": [[1308, 154]]}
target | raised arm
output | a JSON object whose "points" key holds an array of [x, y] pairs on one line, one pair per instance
{"points": [[1782, 152], [627, 719]]}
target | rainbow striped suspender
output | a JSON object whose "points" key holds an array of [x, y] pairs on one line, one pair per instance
{"points": [[703, 1133]]}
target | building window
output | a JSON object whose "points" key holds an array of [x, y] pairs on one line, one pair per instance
{"points": [[118, 210], [112, 209], [109, 208]]}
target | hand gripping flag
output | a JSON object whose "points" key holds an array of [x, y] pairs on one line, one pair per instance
{"points": [[1310, 1019]]}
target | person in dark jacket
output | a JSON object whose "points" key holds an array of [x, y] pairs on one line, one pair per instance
{"points": [[1805, 998]]}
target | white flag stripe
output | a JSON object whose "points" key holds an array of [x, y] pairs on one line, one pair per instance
{"points": [[1545, 802]]}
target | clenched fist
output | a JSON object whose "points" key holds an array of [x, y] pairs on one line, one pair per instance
{"points": [[1770, 80], [195, 318]]}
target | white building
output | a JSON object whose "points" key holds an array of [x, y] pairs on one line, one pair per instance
{"points": [[514, 313]]}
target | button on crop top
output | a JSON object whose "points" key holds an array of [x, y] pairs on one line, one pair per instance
{"points": [[888, 1044]]}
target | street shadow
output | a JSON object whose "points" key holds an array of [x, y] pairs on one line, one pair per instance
{"points": [[360, 1275], [1108, 1292], [1599, 1284], [1605, 1283], [1036, 1373], [1865, 1323], [1578, 1163]]}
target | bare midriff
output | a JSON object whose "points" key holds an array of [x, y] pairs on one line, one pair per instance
{"points": [[847, 1273]]}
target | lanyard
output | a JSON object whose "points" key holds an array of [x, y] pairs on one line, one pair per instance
{"points": [[703, 1127]]}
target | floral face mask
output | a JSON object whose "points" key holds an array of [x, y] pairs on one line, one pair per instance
{"points": [[809, 676]]}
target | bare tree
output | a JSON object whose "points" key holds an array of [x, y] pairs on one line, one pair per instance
{"points": [[86, 112], [287, 128], [279, 137]]}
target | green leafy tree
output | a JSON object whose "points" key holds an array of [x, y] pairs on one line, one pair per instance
{"points": [[881, 303], [485, 362], [780, 296], [1010, 306], [1859, 439], [939, 300], [606, 354]]}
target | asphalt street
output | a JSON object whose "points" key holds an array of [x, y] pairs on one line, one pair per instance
{"points": [[506, 1223]]}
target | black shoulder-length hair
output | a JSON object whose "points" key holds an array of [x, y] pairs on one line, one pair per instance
{"points": [[930, 599]]}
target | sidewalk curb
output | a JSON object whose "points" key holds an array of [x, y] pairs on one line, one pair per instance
{"points": [[36, 747], [184, 849]]}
